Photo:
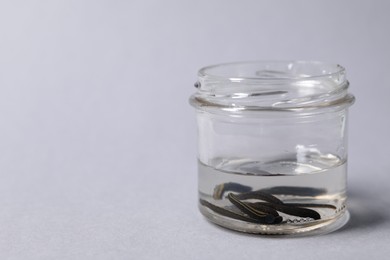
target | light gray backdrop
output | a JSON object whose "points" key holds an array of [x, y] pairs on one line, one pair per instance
{"points": [[98, 141]]}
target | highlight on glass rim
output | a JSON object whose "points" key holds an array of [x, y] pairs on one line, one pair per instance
{"points": [[272, 140]]}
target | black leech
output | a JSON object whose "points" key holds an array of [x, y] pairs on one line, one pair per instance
{"points": [[263, 217], [291, 190], [227, 213], [294, 211], [260, 195]]}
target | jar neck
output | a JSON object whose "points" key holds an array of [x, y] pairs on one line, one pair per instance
{"points": [[283, 92]]}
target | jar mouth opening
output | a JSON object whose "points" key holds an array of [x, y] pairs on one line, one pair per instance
{"points": [[272, 85], [271, 71]]}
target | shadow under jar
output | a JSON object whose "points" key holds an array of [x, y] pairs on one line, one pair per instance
{"points": [[272, 142]]}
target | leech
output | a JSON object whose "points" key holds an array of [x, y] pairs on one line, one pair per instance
{"points": [[290, 190], [260, 195], [309, 205], [220, 189], [227, 213], [291, 210], [265, 212], [263, 208], [263, 217]]}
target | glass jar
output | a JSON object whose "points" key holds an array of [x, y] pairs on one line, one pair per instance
{"points": [[272, 142]]}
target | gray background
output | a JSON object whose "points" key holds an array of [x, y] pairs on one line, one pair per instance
{"points": [[98, 141]]}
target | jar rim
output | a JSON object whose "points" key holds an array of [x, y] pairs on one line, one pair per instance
{"points": [[296, 70], [272, 86]]}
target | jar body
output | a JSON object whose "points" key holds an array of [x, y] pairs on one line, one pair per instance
{"points": [[272, 171]]}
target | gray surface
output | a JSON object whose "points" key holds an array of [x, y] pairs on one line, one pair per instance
{"points": [[97, 140]]}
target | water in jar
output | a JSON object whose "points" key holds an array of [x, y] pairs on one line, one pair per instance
{"points": [[282, 196]]}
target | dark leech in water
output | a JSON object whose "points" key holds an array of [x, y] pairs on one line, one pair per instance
{"points": [[234, 215], [298, 191], [226, 213], [310, 205], [259, 195], [261, 206], [291, 210], [255, 213], [264, 208]]}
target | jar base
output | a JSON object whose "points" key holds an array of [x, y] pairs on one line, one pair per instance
{"points": [[319, 227]]}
